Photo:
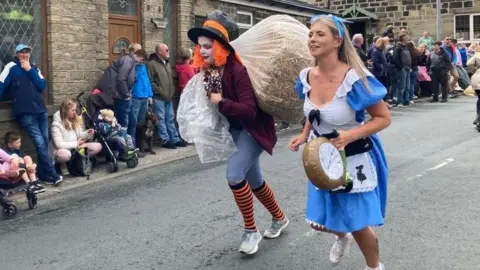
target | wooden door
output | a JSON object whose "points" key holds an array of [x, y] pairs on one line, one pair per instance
{"points": [[121, 33], [123, 26]]}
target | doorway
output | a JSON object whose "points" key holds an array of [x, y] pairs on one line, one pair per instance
{"points": [[358, 27], [123, 26]]}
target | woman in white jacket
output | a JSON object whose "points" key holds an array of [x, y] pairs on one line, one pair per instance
{"points": [[68, 133]]}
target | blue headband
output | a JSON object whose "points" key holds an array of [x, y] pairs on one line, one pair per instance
{"points": [[337, 20]]}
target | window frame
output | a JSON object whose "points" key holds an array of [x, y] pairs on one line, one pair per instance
{"points": [[470, 26], [128, 17], [244, 25], [44, 60]]}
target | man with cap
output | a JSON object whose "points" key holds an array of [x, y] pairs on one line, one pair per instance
{"points": [[24, 83], [228, 86]]}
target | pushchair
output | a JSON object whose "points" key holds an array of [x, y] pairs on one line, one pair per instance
{"points": [[110, 157], [8, 187]]}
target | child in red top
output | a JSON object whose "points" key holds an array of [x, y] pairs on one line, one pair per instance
{"points": [[183, 68]]}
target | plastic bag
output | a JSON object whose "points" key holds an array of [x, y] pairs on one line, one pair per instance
{"points": [[201, 123], [274, 51]]}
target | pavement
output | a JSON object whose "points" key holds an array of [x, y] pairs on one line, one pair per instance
{"points": [[100, 173], [181, 215]]}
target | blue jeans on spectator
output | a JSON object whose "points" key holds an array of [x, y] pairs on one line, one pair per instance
{"points": [[413, 82], [36, 126], [122, 111], [403, 85], [166, 121], [245, 163], [138, 112]]}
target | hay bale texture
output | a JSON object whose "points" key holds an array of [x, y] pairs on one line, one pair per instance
{"points": [[274, 51]]}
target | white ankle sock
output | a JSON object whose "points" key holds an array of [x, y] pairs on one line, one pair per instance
{"points": [[380, 267]]}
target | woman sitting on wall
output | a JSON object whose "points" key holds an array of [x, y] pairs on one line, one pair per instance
{"points": [[68, 134]]}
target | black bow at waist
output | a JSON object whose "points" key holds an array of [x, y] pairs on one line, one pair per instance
{"points": [[354, 148]]}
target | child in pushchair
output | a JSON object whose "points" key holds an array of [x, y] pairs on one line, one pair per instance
{"points": [[110, 148], [117, 138], [17, 173]]}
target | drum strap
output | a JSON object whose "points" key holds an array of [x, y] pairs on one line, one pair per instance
{"points": [[354, 148]]}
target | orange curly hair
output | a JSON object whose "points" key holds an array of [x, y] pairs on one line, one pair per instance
{"points": [[220, 55]]}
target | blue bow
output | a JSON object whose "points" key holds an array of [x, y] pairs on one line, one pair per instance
{"points": [[337, 20]]}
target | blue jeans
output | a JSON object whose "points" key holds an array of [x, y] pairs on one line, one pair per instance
{"points": [[122, 110], [166, 121], [403, 85], [36, 126], [138, 112], [413, 82], [245, 163]]}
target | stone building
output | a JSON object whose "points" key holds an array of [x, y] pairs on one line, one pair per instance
{"points": [[247, 13], [74, 41], [459, 18]]}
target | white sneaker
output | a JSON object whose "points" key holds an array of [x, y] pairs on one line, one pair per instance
{"points": [[412, 103], [341, 248], [276, 228], [380, 267], [250, 241]]}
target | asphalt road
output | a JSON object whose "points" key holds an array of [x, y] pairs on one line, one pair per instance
{"points": [[182, 216]]}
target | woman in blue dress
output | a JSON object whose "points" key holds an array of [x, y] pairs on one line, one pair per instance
{"points": [[337, 92]]}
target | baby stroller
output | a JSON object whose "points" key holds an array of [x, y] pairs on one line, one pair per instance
{"points": [[111, 158], [7, 187]]}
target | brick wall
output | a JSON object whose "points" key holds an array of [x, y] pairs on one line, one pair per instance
{"points": [[77, 34], [416, 15]]}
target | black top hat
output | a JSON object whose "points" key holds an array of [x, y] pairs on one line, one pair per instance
{"points": [[211, 31]]}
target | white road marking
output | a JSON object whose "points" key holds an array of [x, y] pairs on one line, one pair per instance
{"points": [[434, 168]]}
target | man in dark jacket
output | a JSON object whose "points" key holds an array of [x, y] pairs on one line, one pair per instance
{"points": [[118, 80], [403, 64], [439, 64], [24, 83], [160, 73]]}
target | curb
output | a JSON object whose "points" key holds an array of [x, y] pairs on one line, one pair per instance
{"points": [[20, 199]]}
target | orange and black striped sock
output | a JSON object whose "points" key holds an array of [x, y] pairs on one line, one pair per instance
{"points": [[266, 196], [244, 198]]}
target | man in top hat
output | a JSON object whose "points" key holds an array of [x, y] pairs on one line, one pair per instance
{"points": [[228, 85], [26, 86]]}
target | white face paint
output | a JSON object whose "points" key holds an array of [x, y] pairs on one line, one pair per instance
{"points": [[206, 49]]}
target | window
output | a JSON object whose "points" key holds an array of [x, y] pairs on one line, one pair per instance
{"points": [[123, 7], [21, 22], [199, 20], [244, 21], [467, 26]]}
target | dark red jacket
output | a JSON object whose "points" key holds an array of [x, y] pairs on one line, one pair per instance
{"points": [[184, 72], [240, 106]]}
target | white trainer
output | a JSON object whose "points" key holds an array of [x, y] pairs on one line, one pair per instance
{"points": [[250, 241], [276, 228], [341, 248]]}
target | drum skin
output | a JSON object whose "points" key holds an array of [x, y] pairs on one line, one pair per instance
{"points": [[313, 168]]}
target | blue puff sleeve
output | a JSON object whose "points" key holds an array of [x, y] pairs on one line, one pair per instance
{"points": [[299, 88], [360, 98]]}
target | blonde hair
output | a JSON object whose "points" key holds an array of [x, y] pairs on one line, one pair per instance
{"points": [[131, 47], [107, 112], [70, 124], [477, 49], [381, 43], [346, 52]]}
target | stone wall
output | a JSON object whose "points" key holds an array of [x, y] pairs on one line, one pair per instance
{"points": [[416, 15], [77, 36], [203, 7], [151, 35], [185, 21]]}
